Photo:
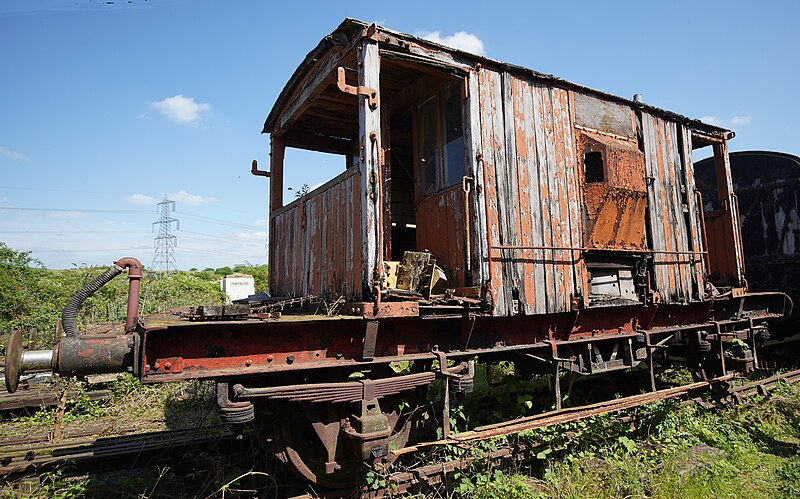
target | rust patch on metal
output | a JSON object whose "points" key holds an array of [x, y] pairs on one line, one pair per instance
{"points": [[620, 222], [169, 365], [615, 193], [369, 310]]}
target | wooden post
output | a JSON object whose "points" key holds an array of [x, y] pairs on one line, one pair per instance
{"points": [[369, 128], [276, 153], [731, 209]]}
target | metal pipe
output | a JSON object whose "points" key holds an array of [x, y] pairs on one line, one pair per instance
{"points": [[616, 250], [37, 360], [467, 250], [699, 196], [255, 171], [489, 248], [134, 267], [88, 354]]}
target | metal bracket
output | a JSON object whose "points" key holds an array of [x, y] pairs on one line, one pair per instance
{"points": [[369, 93], [370, 339]]}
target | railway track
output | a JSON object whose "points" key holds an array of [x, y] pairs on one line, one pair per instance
{"points": [[104, 454]]}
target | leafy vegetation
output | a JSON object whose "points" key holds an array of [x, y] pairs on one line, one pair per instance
{"points": [[32, 297], [662, 450]]}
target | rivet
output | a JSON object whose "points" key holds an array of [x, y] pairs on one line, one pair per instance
{"points": [[168, 366], [270, 358], [289, 359], [248, 363]]}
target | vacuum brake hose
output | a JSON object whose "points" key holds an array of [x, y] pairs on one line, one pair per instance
{"points": [[69, 315]]}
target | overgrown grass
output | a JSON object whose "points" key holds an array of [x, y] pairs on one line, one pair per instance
{"points": [[745, 451]]}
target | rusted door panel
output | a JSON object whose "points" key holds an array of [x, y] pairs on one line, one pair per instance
{"points": [[440, 230], [671, 241], [620, 222], [317, 242]]}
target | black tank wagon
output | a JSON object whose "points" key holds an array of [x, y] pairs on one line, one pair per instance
{"points": [[767, 185]]}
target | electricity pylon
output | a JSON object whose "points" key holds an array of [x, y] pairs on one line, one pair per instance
{"points": [[165, 242]]}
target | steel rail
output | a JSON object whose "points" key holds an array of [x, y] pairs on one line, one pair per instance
{"points": [[110, 453], [434, 474]]}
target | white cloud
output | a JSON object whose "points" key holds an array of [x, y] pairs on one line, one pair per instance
{"points": [[68, 215], [192, 199], [139, 198], [460, 40], [16, 156], [261, 221], [721, 122], [741, 120], [180, 109], [179, 197], [711, 120], [256, 235]]}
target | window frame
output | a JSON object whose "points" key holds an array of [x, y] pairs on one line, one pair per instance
{"points": [[441, 174]]}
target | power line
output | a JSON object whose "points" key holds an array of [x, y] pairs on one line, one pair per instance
{"points": [[9, 208], [219, 221], [220, 239], [138, 232], [219, 253], [183, 213], [68, 231]]}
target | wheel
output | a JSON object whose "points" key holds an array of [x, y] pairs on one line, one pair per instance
{"points": [[301, 428]]}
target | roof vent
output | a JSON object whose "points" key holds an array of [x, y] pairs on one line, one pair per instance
{"points": [[638, 98]]}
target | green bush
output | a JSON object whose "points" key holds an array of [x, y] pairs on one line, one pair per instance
{"points": [[32, 297]]}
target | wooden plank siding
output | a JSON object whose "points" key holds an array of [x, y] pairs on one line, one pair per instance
{"points": [[693, 216], [675, 274], [440, 230], [532, 195], [310, 243]]}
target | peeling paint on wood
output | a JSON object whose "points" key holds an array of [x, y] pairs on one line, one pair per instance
{"points": [[669, 232], [310, 242]]}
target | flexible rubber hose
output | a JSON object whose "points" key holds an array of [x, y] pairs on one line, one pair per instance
{"points": [[69, 315]]}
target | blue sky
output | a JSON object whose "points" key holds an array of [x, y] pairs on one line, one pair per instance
{"points": [[105, 107]]}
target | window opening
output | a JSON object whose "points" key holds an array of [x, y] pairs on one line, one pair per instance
{"points": [[403, 209], [593, 168], [427, 144], [309, 170], [452, 135]]}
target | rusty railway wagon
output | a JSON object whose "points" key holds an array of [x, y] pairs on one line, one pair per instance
{"points": [[484, 212]]}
